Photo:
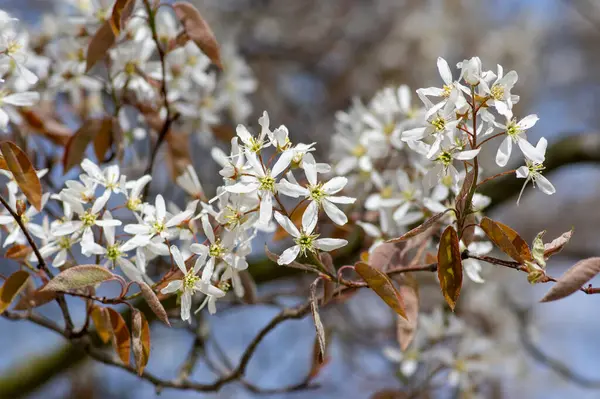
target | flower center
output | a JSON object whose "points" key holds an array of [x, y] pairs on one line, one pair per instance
{"points": [[535, 168], [255, 145], [439, 124], [13, 48], [316, 192], [232, 216], [497, 92], [512, 130], [216, 250], [445, 158], [306, 242], [359, 151], [267, 183], [130, 68], [387, 192], [447, 90], [88, 219], [112, 252], [24, 219], [389, 128], [190, 280], [65, 242], [133, 204], [158, 227]]}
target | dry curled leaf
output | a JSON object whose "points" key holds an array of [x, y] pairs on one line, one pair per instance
{"points": [[314, 308], [198, 31], [573, 279], [154, 302], [89, 130], [420, 228], [120, 335], [406, 328], [79, 277], [450, 271], [140, 340], [13, 285], [557, 244], [383, 286], [22, 170]]}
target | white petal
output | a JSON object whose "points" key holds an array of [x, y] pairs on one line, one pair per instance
{"points": [[544, 185], [310, 217], [287, 224], [178, 258], [289, 255], [530, 151], [342, 200], [466, 155], [522, 172], [528, 121], [334, 213], [200, 250], [444, 70], [186, 304], [266, 209], [207, 228], [173, 286], [282, 163], [310, 169], [160, 208], [335, 185], [329, 244], [504, 151]]}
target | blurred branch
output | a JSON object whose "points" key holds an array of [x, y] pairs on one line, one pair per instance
{"points": [[570, 150]]}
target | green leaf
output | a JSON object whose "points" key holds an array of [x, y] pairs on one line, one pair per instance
{"points": [[79, 277], [450, 271], [382, 285], [13, 285], [23, 172], [537, 250], [573, 279]]}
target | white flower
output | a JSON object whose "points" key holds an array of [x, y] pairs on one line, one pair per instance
{"points": [[450, 93], [305, 240], [472, 267], [24, 99], [409, 360], [533, 172], [135, 187], [515, 132], [255, 144], [16, 235], [499, 91], [190, 183], [190, 284], [109, 177], [320, 194], [471, 70], [444, 159], [12, 185], [15, 46], [262, 181]]}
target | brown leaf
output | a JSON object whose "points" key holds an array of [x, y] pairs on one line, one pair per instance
{"points": [[391, 394], [120, 335], [78, 277], [3, 164], [13, 285], [102, 323], [178, 150], [154, 302], [318, 361], [557, 244], [314, 308], [573, 279], [120, 14], [101, 42], [406, 328], [507, 240], [386, 256], [419, 229], [223, 133], [103, 140], [461, 198], [18, 251], [34, 299], [46, 125], [450, 271], [140, 340], [383, 286], [198, 30], [23, 173], [75, 148]]}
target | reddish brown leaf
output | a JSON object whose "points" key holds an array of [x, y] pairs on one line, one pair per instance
{"points": [[120, 335], [34, 299], [23, 173], [461, 198], [507, 240], [18, 251], [318, 361], [406, 328], [101, 42], [3, 164], [120, 14], [386, 256], [103, 140], [46, 126], [314, 308], [154, 302], [383, 286], [75, 148], [421, 228], [198, 30], [573, 279], [178, 148], [13, 285], [102, 323], [450, 266], [557, 244], [140, 340]]}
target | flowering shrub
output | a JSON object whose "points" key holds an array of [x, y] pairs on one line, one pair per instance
{"points": [[400, 194]]}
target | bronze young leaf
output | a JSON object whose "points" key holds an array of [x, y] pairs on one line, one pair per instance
{"points": [[383, 286], [23, 172], [573, 279], [449, 269]]}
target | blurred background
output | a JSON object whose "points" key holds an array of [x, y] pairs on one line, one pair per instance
{"points": [[311, 58]]}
